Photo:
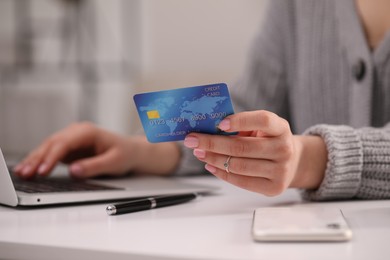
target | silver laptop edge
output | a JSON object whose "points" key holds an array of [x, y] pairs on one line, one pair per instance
{"points": [[7, 190]]}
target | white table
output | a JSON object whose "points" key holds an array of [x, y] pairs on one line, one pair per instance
{"points": [[214, 227]]}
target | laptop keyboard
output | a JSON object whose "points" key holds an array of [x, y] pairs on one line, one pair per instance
{"points": [[44, 185]]}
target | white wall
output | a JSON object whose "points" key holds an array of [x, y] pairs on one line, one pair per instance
{"points": [[187, 42]]}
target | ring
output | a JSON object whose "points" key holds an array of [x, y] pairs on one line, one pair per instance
{"points": [[226, 164]]}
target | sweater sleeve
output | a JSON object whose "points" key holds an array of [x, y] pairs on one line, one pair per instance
{"points": [[264, 81], [358, 163]]}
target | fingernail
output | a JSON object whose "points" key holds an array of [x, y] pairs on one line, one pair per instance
{"points": [[210, 168], [42, 169], [199, 153], [191, 142], [76, 170], [224, 125], [26, 170], [17, 168]]}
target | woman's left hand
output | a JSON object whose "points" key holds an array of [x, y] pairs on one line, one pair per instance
{"points": [[264, 157]]}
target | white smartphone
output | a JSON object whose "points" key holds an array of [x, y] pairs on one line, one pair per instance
{"points": [[300, 224]]}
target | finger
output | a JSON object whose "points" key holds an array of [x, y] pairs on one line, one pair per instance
{"points": [[94, 166], [29, 166], [55, 153], [44, 158], [55, 148], [266, 122], [255, 184], [26, 170], [242, 166], [238, 146]]}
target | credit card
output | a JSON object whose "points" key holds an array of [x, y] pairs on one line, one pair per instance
{"points": [[169, 115]]}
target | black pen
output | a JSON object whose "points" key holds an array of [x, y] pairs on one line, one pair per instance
{"points": [[149, 203]]}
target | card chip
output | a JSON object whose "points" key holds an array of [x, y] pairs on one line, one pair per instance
{"points": [[153, 114]]}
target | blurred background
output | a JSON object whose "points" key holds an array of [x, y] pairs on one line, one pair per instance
{"points": [[63, 61]]}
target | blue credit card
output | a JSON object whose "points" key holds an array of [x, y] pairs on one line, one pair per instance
{"points": [[169, 115]]}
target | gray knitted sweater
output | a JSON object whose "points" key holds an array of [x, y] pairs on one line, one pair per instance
{"points": [[311, 64]]}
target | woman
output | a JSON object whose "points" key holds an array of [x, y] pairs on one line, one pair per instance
{"points": [[319, 68]]}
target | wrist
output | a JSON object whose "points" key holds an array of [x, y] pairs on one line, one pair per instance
{"points": [[157, 159], [312, 160], [139, 147]]}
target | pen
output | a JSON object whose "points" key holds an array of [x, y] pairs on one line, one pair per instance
{"points": [[149, 203]]}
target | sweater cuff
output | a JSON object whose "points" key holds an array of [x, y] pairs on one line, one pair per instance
{"points": [[345, 163]]}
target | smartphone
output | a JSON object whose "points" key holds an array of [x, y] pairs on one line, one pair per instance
{"points": [[300, 224]]}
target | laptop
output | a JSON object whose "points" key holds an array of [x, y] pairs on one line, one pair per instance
{"points": [[59, 188]]}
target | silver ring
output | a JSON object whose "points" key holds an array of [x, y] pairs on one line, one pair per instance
{"points": [[226, 164]]}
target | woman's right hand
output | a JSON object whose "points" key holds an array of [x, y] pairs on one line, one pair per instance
{"points": [[89, 150]]}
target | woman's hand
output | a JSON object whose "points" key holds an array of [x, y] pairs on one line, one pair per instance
{"points": [[265, 157], [91, 151]]}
